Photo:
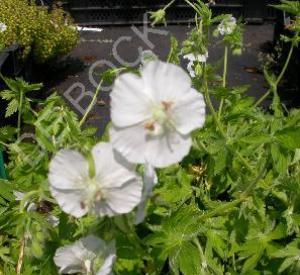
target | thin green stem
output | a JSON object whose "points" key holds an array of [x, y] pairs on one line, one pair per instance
{"points": [[210, 105], [262, 99], [279, 78], [224, 77], [225, 66], [198, 245], [169, 4], [251, 186], [286, 64], [90, 107], [20, 257], [193, 6], [245, 162], [20, 113]]}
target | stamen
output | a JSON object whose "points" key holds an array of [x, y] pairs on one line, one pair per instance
{"points": [[150, 126], [82, 205], [167, 105]]}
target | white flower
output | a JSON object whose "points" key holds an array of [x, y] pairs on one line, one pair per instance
{"points": [[3, 27], [115, 189], [202, 58], [227, 25], [89, 255], [153, 115]]}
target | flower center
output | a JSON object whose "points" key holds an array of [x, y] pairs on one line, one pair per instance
{"points": [[161, 118], [94, 194]]}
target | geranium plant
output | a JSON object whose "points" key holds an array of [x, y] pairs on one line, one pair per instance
{"points": [[169, 188]]}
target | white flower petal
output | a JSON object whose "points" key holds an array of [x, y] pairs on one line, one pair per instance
{"points": [[190, 69], [74, 258], [120, 185], [189, 113], [130, 142], [110, 166], [67, 170], [70, 201], [165, 81], [168, 149], [125, 198], [202, 57], [190, 57], [67, 261], [106, 268], [92, 244], [129, 103]]}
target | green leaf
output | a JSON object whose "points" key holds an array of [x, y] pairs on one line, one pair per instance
{"points": [[289, 137], [188, 257], [6, 190], [12, 108], [258, 139], [292, 7], [7, 94], [174, 51], [217, 243], [181, 226], [280, 161]]}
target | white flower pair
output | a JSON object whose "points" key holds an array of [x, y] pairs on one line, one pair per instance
{"points": [[153, 116]]}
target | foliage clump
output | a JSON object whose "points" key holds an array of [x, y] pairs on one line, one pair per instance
{"points": [[46, 33]]}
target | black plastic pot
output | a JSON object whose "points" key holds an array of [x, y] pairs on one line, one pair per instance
{"points": [[122, 12], [10, 62]]}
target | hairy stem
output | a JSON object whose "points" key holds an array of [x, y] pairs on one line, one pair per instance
{"points": [[91, 105], [224, 77], [169, 4], [21, 257], [198, 245], [193, 6]]}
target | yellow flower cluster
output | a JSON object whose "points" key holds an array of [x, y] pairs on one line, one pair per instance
{"points": [[47, 34]]}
